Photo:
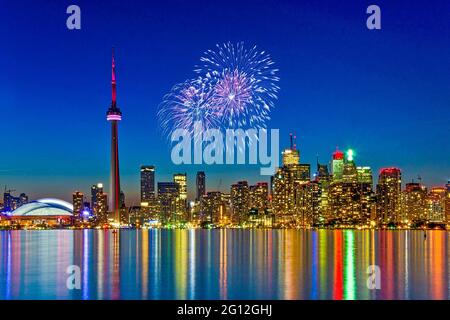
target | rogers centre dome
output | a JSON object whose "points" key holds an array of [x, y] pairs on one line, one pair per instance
{"points": [[48, 207]]}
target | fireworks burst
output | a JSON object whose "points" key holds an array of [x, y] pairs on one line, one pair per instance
{"points": [[244, 83], [235, 88], [187, 103]]}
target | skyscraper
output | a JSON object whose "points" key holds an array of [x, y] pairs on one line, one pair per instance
{"points": [[168, 193], [78, 204], [201, 185], [96, 189], [114, 115], [447, 203], [388, 196], [337, 165], [290, 156], [436, 204], [147, 184], [181, 180], [349, 172], [101, 211], [286, 182], [212, 202], [259, 195], [240, 201], [414, 203]]}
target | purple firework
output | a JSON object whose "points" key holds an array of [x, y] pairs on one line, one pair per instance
{"points": [[244, 84], [187, 103]]}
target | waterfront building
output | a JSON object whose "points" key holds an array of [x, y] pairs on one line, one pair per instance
{"points": [[212, 202], [240, 201], [181, 180], [436, 200], [323, 178], [307, 203], [124, 217], [78, 204], [259, 197], [147, 184], [168, 194], [389, 196], [101, 208], [366, 194], [200, 183], [414, 204], [96, 190], [149, 207], [447, 202]]}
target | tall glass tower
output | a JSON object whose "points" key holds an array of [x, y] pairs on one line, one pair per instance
{"points": [[114, 115]]}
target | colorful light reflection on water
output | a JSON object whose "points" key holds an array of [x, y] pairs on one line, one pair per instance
{"points": [[224, 264]]}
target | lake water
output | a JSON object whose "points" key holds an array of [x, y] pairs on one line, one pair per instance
{"points": [[224, 264]]}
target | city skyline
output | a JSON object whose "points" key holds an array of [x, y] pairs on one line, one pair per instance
{"points": [[342, 99]]}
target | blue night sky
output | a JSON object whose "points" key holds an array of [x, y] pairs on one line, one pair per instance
{"points": [[384, 93]]}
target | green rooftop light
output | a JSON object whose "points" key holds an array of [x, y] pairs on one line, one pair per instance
{"points": [[350, 155]]}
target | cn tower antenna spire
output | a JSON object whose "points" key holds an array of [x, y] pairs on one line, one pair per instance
{"points": [[113, 80]]}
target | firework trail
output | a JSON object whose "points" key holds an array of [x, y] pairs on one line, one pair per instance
{"points": [[187, 103], [244, 83]]}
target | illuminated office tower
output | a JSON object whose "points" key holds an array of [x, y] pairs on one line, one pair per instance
{"points": [[414, 204], [307, 203], [349, 171], [77, 201], [240, 201], [149, 203], [96, 189], [168, 193], [225, 212], [212, 202], [102, 207], [436, 204], [147, 184], [200, 185], [389, 196], [284, 183], [124, 218], [282, 193], [323, 177], [447, 203], [337, 165], [114, 115], [181, 180], [259, 195], [366, 195], [291, 156]]}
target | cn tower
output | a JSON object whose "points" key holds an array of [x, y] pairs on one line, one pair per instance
{"points": [[114, 115]]}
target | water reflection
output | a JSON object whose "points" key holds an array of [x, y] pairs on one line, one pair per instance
{"points": [[224, 264]]}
